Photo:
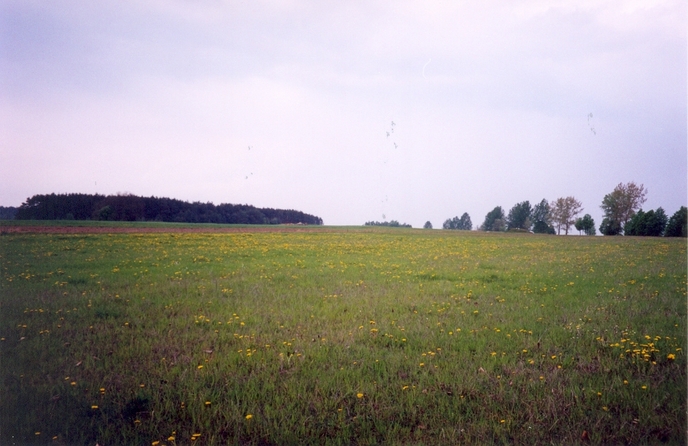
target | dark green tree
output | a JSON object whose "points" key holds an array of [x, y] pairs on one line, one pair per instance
{"points": [[542, 219], [519, 216], [610, 227], [494, 220], [465, 222], [650, 223], [677, 224], [586, 224], [427, 225], [130, 207], [7, 213]]}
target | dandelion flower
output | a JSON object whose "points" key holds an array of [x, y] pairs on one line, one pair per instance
{"points": [[249, 416], [359, 395], [207, 403], [94, 407], [671, 356]]}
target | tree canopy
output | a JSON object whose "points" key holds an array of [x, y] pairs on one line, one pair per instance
{"points": [[620, 206], [651, 223], [586, 224], [7, 212], [564, 211], [494, 220], [127, 207], [677, 224], [463, 224], [519, 216], [542, 218]]}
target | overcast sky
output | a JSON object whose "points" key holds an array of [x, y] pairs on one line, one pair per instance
{"points": [[348, 110]]}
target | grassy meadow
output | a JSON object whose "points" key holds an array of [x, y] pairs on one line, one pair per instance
{"points": [[368, 336]]}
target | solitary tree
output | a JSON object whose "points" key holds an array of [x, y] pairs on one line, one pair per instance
{"points": [[427, 225], [494, 220], [677, 224], [519, 216], [542, 219], [564, 211], [620, 205], [586, 224]]}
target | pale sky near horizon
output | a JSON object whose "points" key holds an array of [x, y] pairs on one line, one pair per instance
{"points": [[290, 104]]}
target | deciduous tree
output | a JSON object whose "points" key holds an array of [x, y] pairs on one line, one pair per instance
{"points": [[620, 205], [586, 224], [564, 211]]}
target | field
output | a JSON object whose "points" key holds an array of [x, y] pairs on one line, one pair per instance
{"points": [[341, 336]]}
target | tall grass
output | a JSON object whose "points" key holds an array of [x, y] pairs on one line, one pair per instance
{"points": [[376, 336]]}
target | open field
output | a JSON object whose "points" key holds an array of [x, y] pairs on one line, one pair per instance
{"points": [[341, 336]]}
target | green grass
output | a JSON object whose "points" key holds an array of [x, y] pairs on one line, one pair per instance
{"points": [[347, 336]]}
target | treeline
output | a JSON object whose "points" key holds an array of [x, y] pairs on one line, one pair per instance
{"points": [[7, 212], [127, 207], [622, 209], [461, 224], [392, 224]]}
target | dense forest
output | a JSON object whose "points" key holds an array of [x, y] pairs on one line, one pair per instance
{"points": [[127, 207], [7, 212]]}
